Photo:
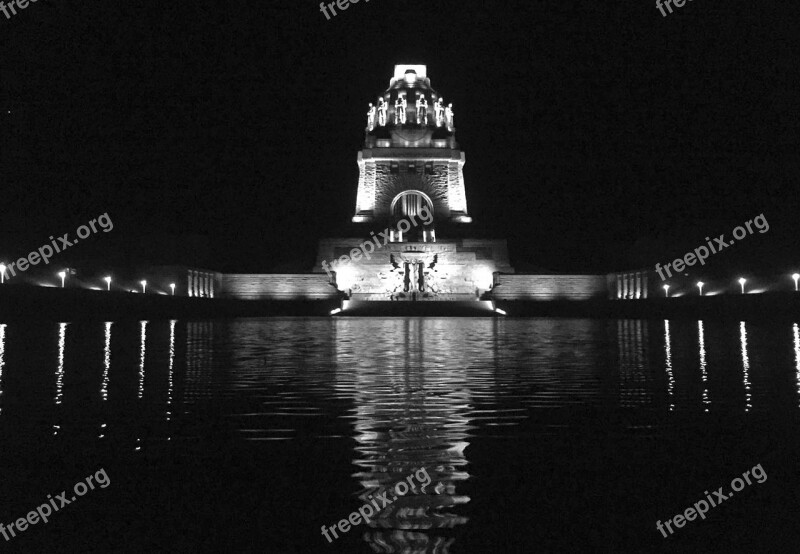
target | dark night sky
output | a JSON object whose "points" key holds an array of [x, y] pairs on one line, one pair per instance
{"points": [[598, 135]]}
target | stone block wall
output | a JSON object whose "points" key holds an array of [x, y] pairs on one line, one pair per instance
{"points": [[306, 286], [549, 287]]}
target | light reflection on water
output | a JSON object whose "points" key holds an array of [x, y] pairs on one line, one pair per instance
{"points": [[62, 340], [171, 370], [106, 373], [703, 373], [634, 368], [796, 330], [2, 361], [141, 358], [106, 361], [668, 365], [745, 368], [400, 393]]}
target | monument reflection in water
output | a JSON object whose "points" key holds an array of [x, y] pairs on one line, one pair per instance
{"points": [[415, 414]]}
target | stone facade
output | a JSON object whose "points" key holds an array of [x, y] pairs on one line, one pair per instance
{"points": [[306, 286], [550, 287], [188, 281], [202, 284], [439, 270], [384, 174], [630, 285]]}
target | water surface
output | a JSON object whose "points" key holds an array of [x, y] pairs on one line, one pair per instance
{"points": [[538, 434]]}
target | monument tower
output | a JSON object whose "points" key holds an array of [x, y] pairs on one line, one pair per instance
{"points": [[411, 205], [410, 156]]}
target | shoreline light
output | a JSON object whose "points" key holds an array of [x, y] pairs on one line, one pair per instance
{"points": [[666, 291], [63, 275], [700, 286], [107, 279], [172, 286], [3, 274], [144, 286], [742, 281], [796, 276]]}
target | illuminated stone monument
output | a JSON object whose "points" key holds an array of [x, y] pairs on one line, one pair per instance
{"points": [[411, 172]]}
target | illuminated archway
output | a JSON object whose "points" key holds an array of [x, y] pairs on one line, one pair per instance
{"points": [[410, 203]]}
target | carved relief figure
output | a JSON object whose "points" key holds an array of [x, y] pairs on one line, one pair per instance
{"points": [[395, 282], [371, 118], [413, 276]]}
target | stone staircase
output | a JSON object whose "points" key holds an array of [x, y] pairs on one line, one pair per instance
{"points": [[384, 308]]}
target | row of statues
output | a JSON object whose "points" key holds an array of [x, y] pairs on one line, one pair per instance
{"points": [[442, 115]]}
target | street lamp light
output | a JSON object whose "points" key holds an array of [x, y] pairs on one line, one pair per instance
{"points": [[700, 286], [3, 274], [796, 276], [172, 286], [144, 285], [666, 291], [742, 281], [63, 275], [108, 282]]}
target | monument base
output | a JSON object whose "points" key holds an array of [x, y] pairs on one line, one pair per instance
{"points": [[383, 308]]}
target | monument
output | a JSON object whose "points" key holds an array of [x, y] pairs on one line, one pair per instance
{"points": [[411, 239], [411, 206]]}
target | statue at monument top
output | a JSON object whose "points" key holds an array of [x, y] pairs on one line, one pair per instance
{"points": [[422, 110], [449, 116], [410, 112], [438, 109], [400, 110], [382, 109]]}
